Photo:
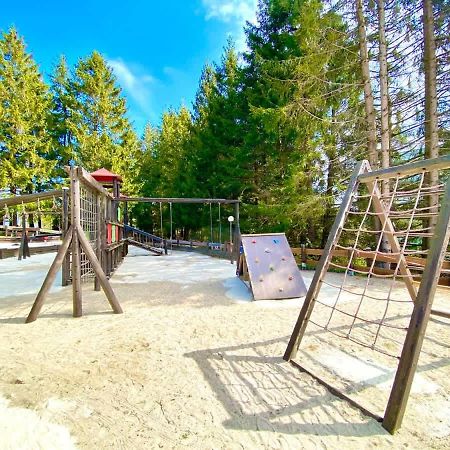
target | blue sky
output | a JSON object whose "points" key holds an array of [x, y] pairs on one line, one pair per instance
{"points": [[156, 48]]}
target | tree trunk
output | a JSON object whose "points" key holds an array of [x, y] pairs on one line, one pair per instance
{"points": [[431, 122], [368, 94], [328, 217], [384, 92]]}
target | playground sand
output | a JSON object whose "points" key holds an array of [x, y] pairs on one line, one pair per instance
{"points": [[192, 363]]}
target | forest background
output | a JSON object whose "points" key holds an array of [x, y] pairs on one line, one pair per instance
{"points": [[280, 126]]}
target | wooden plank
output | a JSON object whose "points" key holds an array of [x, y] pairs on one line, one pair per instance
{"points": [[443, 162], [29, 198], [86, 178], [176, 200], [65, 271], [333, 237], [98, 243], [76, 254], [107, 289], [337, 392], [398, 399], [50, 277], [389, 230]]}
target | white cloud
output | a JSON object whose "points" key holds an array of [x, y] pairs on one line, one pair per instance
{"points": [[233, 12], [135, 82]]}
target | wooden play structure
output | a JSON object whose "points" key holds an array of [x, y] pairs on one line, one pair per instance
{"points": [[96, 234], [268, 265], [172, 242], [412, 206], [23, 220], [89, 250]]}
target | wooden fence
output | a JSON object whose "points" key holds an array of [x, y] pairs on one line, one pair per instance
{"points": [[311, 256]]}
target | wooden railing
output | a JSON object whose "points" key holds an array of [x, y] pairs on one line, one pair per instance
{"points": [[311, 256]]}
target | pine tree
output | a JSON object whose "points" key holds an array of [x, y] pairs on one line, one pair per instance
{"points": [[24, 105], [102, 134], [63, 103], [221, 164]]}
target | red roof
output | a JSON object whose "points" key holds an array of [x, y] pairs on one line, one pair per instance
{"points": [[105, 176]]}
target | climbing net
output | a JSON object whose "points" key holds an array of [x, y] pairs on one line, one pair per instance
{"points": [[390, 241], [386, 235], [89, 217]]}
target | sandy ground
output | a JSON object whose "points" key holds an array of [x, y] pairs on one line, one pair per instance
{"points": [[193, 363]]}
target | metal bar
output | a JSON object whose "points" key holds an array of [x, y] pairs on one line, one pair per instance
{"points": [[443, 162]]}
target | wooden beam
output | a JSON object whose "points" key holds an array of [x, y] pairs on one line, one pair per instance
{"points": [[176, 200], [398, 399], [87, 179], [389, 231], [65, 272], [111, 296], [314, 288], [50, 277], [29, 198], [443, 162], [76, 256]]}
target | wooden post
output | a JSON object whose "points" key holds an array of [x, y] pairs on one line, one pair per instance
{"points": [[51, 275], [98, 243], [398, 399], [389, 232], [324, 262], [76, 256], [303, 256], [100, 274], [65, 272], [24, 249], [236, 236]]}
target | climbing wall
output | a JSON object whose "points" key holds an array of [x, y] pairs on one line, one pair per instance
{"points": [[272, 269]]}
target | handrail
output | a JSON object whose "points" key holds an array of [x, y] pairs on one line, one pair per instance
{"points": [[29, 198], [443, 162]]}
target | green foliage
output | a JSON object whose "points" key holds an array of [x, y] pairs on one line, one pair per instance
{"points": [[24, 106]]}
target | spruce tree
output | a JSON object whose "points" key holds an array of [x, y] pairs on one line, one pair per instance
{"points": [[103, 136], [24, 105], [63, 103]]}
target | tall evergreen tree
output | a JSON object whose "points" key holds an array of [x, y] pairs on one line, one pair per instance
{"points": [[24, 106], [63, 103], [102, 134]]}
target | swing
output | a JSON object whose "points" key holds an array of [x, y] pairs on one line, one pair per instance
{"points": [[212, 244]]}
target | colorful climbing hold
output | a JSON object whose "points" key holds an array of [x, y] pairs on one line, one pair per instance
{"points": [[267, 250], [272, 267], [261, 278], [283, 258], [254, 241], [256, 260], [281, 289], [290, 278]]}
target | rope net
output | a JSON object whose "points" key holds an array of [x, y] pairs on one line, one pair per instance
{"points": [[367, 294], [89, 216]]}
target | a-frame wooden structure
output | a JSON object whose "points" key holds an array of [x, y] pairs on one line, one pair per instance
{"points": [[422, 298], [74, 242]]}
